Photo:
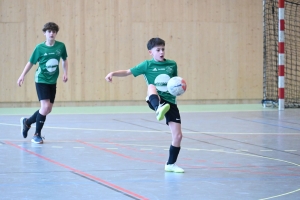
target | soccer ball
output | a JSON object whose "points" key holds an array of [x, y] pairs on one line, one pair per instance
{"points": [[176, 86]]}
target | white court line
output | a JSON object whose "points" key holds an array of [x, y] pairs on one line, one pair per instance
{"points": [[217, 150], [39, 146], [145, 131], [290, 150], [92, 129], [58, 147], [266, 150], [281, 195], [189, 149]]}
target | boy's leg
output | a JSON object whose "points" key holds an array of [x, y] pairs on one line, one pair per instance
{"points": [[154, 99], [176, 141], [46, 94], [174, 122], [32, 119], [26, 123], [46, 108]]}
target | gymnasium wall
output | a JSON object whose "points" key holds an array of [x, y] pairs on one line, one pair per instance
{"points": [[218, 46]]}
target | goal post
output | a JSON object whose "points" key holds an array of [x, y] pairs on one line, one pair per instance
{"points": [[281, 73]]}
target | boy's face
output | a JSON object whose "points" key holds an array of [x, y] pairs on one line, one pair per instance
{"points": [[158, 53], [50, 34]]}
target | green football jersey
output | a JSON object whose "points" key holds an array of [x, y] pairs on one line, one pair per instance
{"points": [[158, 74], [48, 58]]}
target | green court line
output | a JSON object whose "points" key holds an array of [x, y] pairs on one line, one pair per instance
{"points": [[138, 109]]}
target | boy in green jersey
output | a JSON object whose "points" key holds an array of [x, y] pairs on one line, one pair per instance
{"points": [[48, 55], [157, 72]]}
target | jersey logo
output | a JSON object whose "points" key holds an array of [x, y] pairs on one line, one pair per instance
{"points": [[51, 65], [45, 54], [58, 52], [155, 70], [161, 82], [169, 69]]}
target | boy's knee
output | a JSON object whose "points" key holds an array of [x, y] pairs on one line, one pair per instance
{"points": [[151, 90], [151, 87], [46, 109], [179, 137], [49, 110], [177, 140]]}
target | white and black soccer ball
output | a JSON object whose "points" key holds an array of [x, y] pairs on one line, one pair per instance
{"points": [[176, 86]]}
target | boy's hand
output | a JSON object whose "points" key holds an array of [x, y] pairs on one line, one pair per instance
{"points": [[65, 78], [20, 80], [108, 77], [119, 73]]}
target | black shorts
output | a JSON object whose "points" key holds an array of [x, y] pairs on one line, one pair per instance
{"points": [[46, 91], [172, 115]]}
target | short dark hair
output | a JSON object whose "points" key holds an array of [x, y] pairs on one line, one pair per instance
{"points": [[51, 26], [155, 42]]}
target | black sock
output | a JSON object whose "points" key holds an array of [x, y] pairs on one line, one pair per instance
{"points": [[32, 119], [173, 154], [154, 100], [40, 120]]}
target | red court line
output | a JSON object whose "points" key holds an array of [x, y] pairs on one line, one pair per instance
{"points": [[118, 154], [108, 184], [130, 148]]}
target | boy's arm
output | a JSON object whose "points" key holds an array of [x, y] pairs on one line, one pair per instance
{"points": [[25, 71], [65, 66], [119, 73]]}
